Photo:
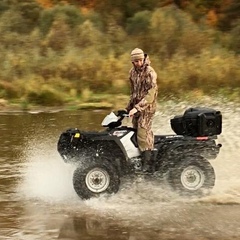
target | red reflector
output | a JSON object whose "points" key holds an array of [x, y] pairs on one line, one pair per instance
{"points": [[202, 138]]}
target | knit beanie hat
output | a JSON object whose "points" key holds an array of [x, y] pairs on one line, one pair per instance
{"points": [[137, 54]]}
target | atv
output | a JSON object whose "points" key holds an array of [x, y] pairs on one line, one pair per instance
{"points": [[103, 158]]}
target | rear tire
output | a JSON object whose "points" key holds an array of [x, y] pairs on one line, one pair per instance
{"points": [[95, 177], [193, 176]]}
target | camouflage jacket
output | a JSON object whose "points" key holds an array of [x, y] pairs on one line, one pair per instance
{"points": [[144, 89]]}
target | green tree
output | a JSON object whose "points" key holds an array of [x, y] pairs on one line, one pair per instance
{"points": [[72, 15], [139, 23], [58, 37], [230, 14], [4, 6], [87, 35], [235, 37], [29, 12], [172, 29]]}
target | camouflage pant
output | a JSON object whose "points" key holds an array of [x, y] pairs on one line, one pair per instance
{"points": [[143, 123]]}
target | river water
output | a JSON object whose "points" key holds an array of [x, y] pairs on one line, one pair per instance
{"points": [[37, 200]]}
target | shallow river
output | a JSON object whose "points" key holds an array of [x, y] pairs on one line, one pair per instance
{"points": [[37, 200]]}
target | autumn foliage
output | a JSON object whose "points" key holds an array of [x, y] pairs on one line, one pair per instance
{"points": [[55, 51], [46, 3]]}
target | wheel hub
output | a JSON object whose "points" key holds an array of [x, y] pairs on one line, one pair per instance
{"points": [[192, 178], [97, 180]]}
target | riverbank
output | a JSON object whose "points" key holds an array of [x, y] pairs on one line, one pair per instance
{"points": [[113, 102], [98, 101]]}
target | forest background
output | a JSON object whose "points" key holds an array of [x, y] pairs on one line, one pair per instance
{"points": [[73, 52]]}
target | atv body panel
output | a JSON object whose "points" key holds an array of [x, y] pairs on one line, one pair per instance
{"points": [[119, 146]]}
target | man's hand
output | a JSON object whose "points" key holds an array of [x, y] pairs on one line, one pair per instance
{"points": [[122, 112], [132, 112]]}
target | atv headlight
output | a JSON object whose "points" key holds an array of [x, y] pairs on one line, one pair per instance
{"points": [[77, 135]]}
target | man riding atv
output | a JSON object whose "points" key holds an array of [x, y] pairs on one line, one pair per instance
{"points": [[142, 103], [103, 158]]}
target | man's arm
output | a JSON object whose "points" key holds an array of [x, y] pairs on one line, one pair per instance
{"points": [[151, 92]]}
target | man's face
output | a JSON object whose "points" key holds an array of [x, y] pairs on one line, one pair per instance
{"points": [[138, 63]]}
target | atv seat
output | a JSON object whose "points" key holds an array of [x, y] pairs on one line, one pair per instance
{"points": [[160, 138]]}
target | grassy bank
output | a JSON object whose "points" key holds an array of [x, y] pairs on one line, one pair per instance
{"points": [[116, 102]]}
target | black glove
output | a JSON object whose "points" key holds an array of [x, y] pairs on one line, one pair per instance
{"points": [[122, 112]]}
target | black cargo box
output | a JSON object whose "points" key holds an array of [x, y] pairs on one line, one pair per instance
{"points": [[178, 125], [198, 122]]}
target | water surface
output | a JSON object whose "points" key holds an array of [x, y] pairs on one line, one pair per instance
{"points": [[37, 200]]}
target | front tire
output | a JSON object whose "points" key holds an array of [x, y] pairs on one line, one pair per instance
{"points": [[94, 178], [193, 176]]}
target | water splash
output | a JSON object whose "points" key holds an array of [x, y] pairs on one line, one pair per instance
{"points": [[48, 178]]}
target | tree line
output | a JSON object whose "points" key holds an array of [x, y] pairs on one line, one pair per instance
{"points": [[53, 51]]}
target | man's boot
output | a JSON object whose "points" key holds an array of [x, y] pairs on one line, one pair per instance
{"points": [[146, 161]]}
